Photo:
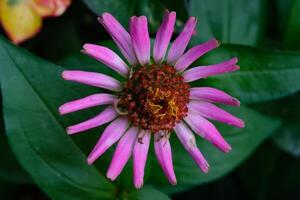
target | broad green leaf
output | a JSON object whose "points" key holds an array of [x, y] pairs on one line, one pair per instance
{"points": [[230, 21], [283, 11], [292, 40], [10, 169], [32, 89], [243, 141], [147, 193], [287, 137], [153, 9], [270, 174], [264, 74]]}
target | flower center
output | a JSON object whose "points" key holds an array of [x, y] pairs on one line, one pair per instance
{"points": [[155, 98]]}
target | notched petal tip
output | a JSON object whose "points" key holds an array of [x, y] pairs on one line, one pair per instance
{"points": [[90, 161], [236, 102], [138, 185], [104, 17], [241, 124], [69, 131], [67, 75], [224, 147], [236, 67], [235, 60], [61, 110], [217, 42], [110, 176], [173, 182]]}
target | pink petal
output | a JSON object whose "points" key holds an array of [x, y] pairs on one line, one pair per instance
{"points": [[163, 36], [212, 95], [194, 53], [140, 152], [110, 135], [87, 102], [122, 153], [180, 43], [213, 112], [105, 116], [93, 79], [196, 73], [187, 139], [107, 57], [120, 36], [163, 153], [207, 130], [140, 38]]}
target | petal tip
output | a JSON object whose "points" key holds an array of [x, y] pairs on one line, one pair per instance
{"points": [[235, 59], [110, 176], [70, 131], [173, 182], [217, 42], [138, 185], [66, 75], [241, 123], [61, 110], [236, 67], [90, 161], [236, 102], [226, 148], [205, 168]]}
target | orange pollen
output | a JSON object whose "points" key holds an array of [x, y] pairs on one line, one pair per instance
{"points": [[155, 98]]}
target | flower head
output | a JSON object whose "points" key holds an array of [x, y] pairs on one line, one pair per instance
{"points": [[155, 99]]}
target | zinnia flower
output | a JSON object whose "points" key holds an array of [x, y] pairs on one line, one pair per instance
{"points": [[155, 99]]}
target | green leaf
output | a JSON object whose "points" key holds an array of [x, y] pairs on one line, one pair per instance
{"points": [[283, 11], [147, 193], [264, 74], [292, 39], [270, 174], [32, 89], [243, 141], [153, 9], [287, 137], [10, 169], [230, 21]]}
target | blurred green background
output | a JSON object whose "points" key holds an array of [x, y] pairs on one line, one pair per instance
{"points": [[39, 161]]}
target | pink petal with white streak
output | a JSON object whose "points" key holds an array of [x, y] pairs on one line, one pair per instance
{"points": [[140, 152], [122, 153], [163, 36], [163, 154], [196, 73], [120, 36], [107, 57], [93, 79], [112, 133], [87, 102], [194, 53], [187, 139], [213, 95], [207, 130], [105, 116], [180, 43], [213, 112], [140, 38]]}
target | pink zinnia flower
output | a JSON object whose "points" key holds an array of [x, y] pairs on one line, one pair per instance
{"points": [[155, 99]]}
